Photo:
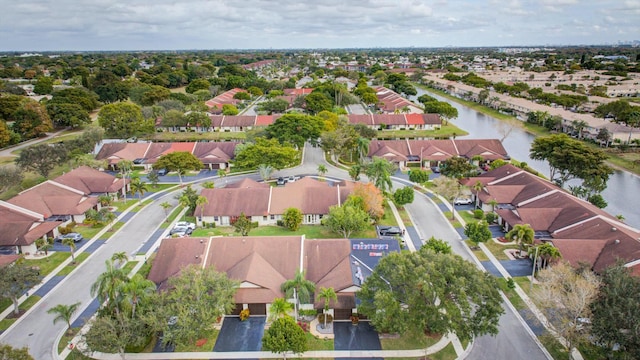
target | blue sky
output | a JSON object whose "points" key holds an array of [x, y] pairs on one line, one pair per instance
{"points": [[42, 25]]}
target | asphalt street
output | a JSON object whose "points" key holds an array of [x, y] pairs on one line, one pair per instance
{"points": [[36, 330]]}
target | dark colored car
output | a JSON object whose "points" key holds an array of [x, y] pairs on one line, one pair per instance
{"points": [[162, 172], [389, 230], [280, 181]]}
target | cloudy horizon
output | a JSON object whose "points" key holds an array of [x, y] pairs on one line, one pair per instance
{"points": [[112, 25]]}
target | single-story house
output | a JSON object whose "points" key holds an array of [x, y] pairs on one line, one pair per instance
{"points": [[21, 227], [262, 264], [266, 205], [93, 182]]}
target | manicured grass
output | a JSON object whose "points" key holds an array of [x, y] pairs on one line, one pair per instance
{"points": [[211, 336], [172, 216], [511, 294], [445, 131], [404, 215], [72, 266], [310, 232], [387, 217], [477, 251], [467, 216], [409, 341], [316, 343], [48, 264], [448, 353], [122, 206], [557, 351], [26, 305], [107, 234], [88, 232], [129, 266], [525, 284], [498, 250]]}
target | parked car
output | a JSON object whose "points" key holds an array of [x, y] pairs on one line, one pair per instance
{"points": [[462, 201], [75, 236], [293, 178], [190, 225], [389, 230], [435, 169], [181, 231], [162, 172], [280, 181]]}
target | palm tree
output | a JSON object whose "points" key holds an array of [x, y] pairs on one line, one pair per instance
{"points": [[136, 291], [477, 187], [362, 148], [108, 218], [327, 294], [64, 313], [120, 258], [185, 202], [201, 201], [104, 200], [44, 245], [322, 170], [279, 308], [125, 168], [548, 253], [265, 171], [137, 186], [522, 234], [379, 172], [354, 172], [208, 185], [108, 284], [72, 247], [166, 206], [300, 289], [493, 202]]}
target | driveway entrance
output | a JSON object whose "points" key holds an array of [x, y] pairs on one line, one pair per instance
{"points": [[355, 337], [236, 335]]}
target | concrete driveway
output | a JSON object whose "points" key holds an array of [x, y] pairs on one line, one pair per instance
{"points": [[236, 335]]}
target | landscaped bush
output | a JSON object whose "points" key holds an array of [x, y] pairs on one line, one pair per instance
{"points": [[244, 314], [478, 214], [491, 217], [321, 318]]}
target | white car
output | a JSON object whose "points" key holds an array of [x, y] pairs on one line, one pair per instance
{"points": [[186, 224], [463, 201]]}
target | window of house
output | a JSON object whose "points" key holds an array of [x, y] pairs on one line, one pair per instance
{"points": [[215, 218], [273, 217]]}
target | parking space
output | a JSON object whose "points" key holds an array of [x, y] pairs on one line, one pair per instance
{"points": [[515, 268], [355, 337], [236, 335]]}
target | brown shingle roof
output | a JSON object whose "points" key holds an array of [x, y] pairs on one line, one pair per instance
{"points": [[50, 198], [90, 181], [234, 201]]}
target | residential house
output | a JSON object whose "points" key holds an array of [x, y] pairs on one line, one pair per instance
{"points": [[215, 104], [56, 202], [21, 227], [391, 102], [582, 232], [262, 264], [266, 205], [93, 182], [432, 153]]}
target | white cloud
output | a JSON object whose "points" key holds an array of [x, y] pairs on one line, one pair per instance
{"points": [[153, 24]]}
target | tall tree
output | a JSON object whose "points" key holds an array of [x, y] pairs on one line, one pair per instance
{"points": [[564, 296], [124, 120], [300, 289], [403, 196], [166, 206], [72, 247], [119, 258], [193, 300], [10, 175], [346, 219], [31, 120], [180, 162], [269, 152], [243, 224], [201, 202], [15, 280], [326, 294], [137, 290], [42, 158], [292, 218], [477, 232], [427, 292], [379, 172], [285, 335], [449, 189], [279, 308], [64, 313], [138, 187], [295, 129], [108, 285], [616, 311], [113, 333], [265, 171], [456, 167], [372, 199]]}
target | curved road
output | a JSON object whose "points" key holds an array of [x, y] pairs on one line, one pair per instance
{"points": [[36, 330]]}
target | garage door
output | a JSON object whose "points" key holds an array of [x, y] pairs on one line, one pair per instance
{"points": [[342, 314], [258, 309], [237, 309]]}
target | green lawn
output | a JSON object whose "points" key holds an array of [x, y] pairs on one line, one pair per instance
{"points": [[88, 232], [129, 266], [211, 336], [445, 131], [107, 234], [72, 266], [511, 294], [409, 341], [498, 249], [477, 251], [172, 216], [310, 232], [48, 264], [26, 305], [316, 343]]}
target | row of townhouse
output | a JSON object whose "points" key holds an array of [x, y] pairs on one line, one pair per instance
{"points": [[239, 123], [263, 264], [266, 205], [522, 107], [432, 153], [582, 232], [214, 155], [36, 213], [390, 101]]}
